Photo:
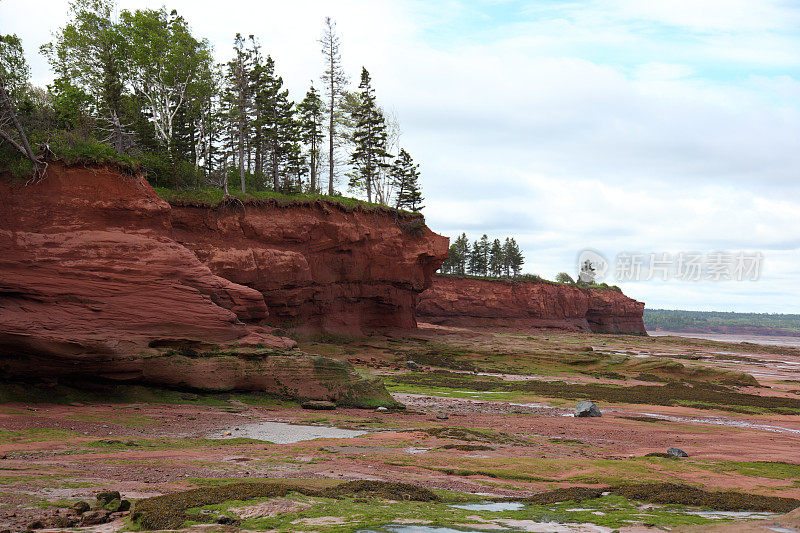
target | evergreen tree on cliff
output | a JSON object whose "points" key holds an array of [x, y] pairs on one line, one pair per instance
{"points": [[239, 98], [496, 259], [334, 80], [459, 255], [479, 257], [512, 258], [275, 120], [310, 122], [405, 179], [369, 138]]}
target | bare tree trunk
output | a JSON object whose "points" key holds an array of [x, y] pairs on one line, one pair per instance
{"points": [[314, 164], [330, 145], [241, 150], [23, 146], [369, 184], [275, 183]]}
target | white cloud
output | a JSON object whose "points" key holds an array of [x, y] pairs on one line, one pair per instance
{"points": [[626, 125]]}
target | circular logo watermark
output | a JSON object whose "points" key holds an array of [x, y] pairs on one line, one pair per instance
{"points": [[592, 266]]}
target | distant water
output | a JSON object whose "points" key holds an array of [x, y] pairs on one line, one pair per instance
{"points": [[731, 337]]}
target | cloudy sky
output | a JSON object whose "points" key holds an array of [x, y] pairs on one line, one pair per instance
{"points": [[616, 125]]}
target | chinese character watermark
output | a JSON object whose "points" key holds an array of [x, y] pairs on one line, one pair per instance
{"points": [[683, 266]]}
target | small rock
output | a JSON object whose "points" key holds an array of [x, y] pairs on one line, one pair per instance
{"points": [[442, 416], [62, 522], [586, 408], [412, 365], [226, 433], [117, 505], [105, 497], [93, 518], [318, 405], [113, 505], [36, 524], [382, 408], [677, 452], [81, 507]]}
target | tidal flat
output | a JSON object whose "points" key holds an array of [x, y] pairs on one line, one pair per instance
{"points": [[486, 441]]}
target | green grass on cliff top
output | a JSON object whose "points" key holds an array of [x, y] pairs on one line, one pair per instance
{"points": [[212, 196]]}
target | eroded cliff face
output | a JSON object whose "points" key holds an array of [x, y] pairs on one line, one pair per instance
{"points": [[318, 266], [469, 301], [100, 277]]}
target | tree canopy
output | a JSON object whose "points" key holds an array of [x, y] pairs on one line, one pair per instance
{"points": [[139, 86]]}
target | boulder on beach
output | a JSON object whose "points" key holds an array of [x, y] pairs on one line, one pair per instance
{"points": [[677, 452], [586, 408]]}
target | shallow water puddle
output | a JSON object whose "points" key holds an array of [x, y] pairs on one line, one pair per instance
{"points": [[729, 422], [283, 433], [490, 506], [415, 450], [730, 515], [517, 525], [395, 528]]}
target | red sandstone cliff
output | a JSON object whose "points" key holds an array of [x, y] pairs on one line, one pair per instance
{"points": [[319, 266], [98, 275], [471, 301]]}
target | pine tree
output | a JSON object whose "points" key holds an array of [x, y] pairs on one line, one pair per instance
{"points": [[479, 257], [447, 264], [484, 250], [334, 80], [512, 257], [473, 265], [369, 138], [239, 98], [310, 123], [496, 259], [460, 252], [405, 176], [458, 257], [276, 121]]}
